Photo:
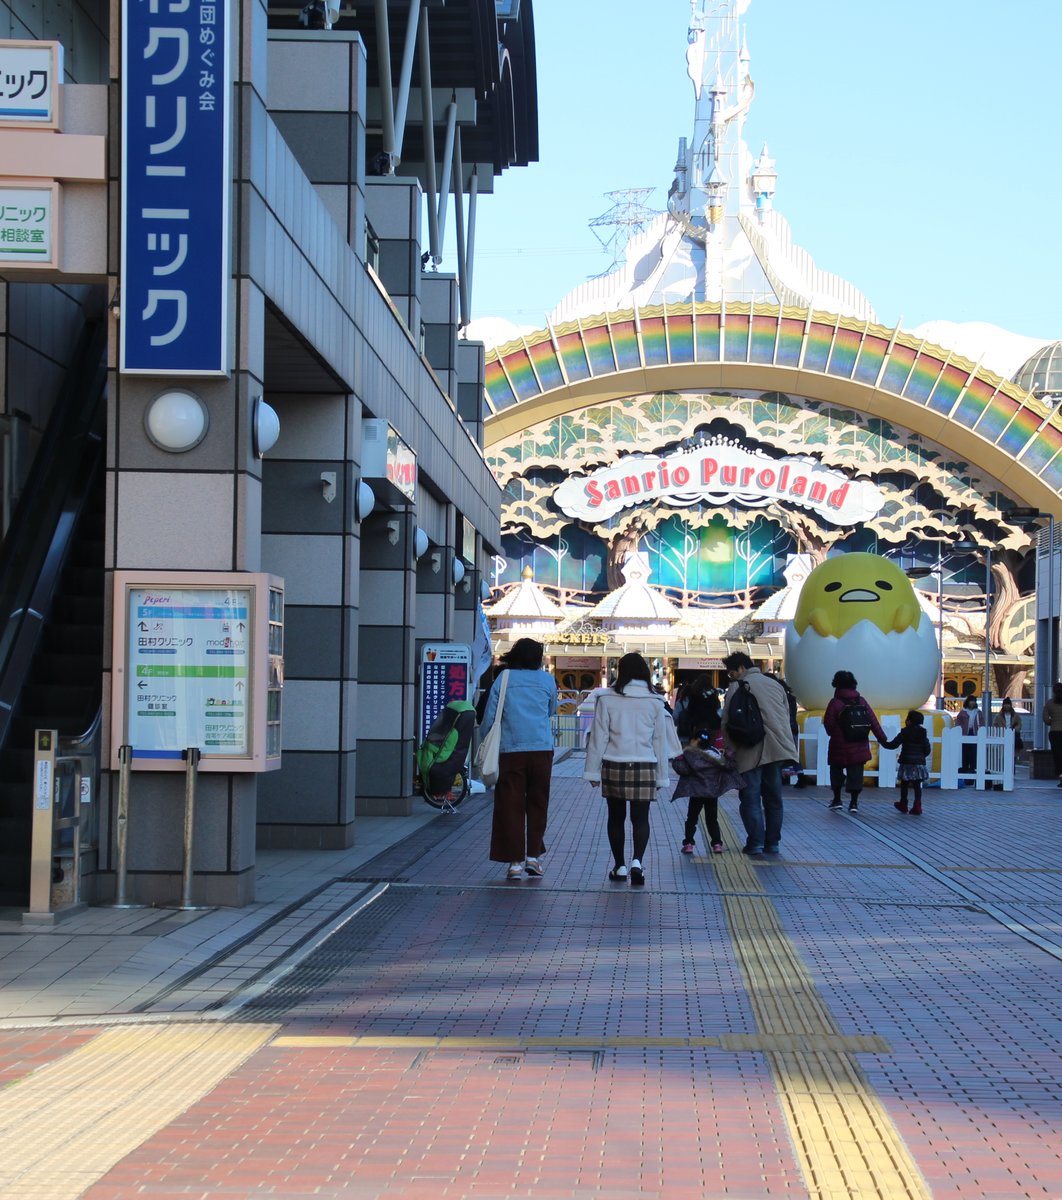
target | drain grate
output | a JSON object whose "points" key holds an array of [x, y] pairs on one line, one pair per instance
{"points": [[358, 938]]}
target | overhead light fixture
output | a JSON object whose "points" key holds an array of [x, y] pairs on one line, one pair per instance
{"points": [[176, 420]]}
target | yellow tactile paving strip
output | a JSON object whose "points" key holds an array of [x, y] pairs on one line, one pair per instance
{"points": [[844, 1139], [65, 1126]]}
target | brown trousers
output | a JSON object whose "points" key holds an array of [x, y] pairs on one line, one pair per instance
{"points": [[521, 804]]}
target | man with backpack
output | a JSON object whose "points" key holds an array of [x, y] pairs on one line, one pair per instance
{"points": [[756, 730], [849, 720]]}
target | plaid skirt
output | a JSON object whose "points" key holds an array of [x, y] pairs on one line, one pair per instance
{"points": [[628, 780]]}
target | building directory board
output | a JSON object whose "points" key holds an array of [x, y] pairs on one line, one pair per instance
{"points": [[188, 678]]}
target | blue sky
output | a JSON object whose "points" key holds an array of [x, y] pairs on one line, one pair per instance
{"points": [[916, 143]]}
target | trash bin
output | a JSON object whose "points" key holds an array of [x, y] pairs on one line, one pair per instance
{"points": [[1043, 764]]}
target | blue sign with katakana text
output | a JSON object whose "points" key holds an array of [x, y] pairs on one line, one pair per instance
{"points": [[176, 93]]}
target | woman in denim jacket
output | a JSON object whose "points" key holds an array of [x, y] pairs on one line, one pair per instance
{"points": [[521, 795]]}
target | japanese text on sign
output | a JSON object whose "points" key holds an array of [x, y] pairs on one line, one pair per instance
{"points": [[29, 77], [175, 186], [189, 678], [26, 225], [444, 670]]}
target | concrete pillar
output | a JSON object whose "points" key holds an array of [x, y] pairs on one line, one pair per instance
{"points": [[386, 737]]}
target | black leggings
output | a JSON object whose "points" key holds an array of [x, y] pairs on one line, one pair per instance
{"points": [[710, 805], [617, 818], [916, 784]]}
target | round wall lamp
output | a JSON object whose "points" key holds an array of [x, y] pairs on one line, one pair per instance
{"points": [[364, 501], [484, 590], [459, 570], [420, 543], [176, 420], [266, 427]]}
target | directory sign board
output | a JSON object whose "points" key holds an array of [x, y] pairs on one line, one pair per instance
{"points": [[195, 666], [30, 75], [444, 676], [176, 116]]}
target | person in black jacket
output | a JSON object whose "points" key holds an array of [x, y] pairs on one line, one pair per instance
{"points": [[911, 770]]}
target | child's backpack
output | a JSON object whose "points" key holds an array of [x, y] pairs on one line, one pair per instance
{"points": [[744, 721], [445, 747], [854, 720]]}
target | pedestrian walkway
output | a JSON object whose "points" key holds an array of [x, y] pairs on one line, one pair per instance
{"points": [[876, 1012]]}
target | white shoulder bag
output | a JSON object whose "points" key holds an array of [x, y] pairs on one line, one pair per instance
{"points": [[490, 748]]}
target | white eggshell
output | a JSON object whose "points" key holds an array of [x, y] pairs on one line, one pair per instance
{"points": [[895, 670]]}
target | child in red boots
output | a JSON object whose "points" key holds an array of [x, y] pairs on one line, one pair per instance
{"points": [[911, 771]]}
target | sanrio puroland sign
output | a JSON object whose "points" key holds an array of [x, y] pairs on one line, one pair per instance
{"points": [[718, 474]]}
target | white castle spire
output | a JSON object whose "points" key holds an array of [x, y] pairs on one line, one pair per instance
{"points": [[721, 238]]}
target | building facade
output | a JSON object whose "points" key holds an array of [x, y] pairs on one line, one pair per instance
{"points": [[321, 322]]}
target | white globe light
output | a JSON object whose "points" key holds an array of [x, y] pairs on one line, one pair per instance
{"points": [[420, 543], [266, 427], [176, 421], [364, 501], [459, 570]]}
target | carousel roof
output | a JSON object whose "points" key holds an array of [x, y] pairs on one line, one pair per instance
{"points": [[636, 600], [527, 599]]}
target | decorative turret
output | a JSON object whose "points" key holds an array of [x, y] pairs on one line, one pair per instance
{"points": [[721, 238], [763, 180]]}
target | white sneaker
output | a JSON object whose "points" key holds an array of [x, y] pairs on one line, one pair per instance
{"points": [[533, 866], [516, 871]]}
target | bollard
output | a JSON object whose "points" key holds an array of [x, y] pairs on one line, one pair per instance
{"points": [[191, 758], [125, 766]]}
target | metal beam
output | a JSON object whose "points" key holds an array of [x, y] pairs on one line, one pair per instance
{"points": [[406, 75], [427, 116], [470, 248], [459, 219], [387, 100], [448, 161]]}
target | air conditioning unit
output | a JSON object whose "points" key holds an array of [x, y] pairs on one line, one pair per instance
{"points": [[375, 434]]}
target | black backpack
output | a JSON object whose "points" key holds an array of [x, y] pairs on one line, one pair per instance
{"points": [[854, 720], [744, 721]]}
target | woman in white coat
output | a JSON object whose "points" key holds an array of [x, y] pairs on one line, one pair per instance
{"points": [[632, 740]]}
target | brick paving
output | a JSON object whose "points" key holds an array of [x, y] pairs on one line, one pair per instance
{"points": [[24, 1051], [642, 1043]]}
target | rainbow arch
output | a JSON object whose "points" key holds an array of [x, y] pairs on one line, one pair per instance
{"points": [[869, 368]]}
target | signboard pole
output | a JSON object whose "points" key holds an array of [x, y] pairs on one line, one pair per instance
{"points": [[121, 865], [191, 759]]}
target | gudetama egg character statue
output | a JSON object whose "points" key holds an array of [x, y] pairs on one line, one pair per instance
{"points": [[859, 613]]}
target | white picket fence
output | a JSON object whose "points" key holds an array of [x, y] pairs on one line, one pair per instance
{"points": [[994, 765]]}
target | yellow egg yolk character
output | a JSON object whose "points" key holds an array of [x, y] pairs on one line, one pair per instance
{"points": [[851, 588]]}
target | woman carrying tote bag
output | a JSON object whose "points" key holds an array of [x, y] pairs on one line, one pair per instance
{"points": [[525, 759], [631, 744]]}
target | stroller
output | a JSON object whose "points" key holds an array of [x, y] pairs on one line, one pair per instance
{"points": [[442, 759]]}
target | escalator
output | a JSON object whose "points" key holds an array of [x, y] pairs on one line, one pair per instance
{"points": [[51, 600]]}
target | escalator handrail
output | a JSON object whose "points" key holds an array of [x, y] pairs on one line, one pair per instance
{"points": [[39, 538]]}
